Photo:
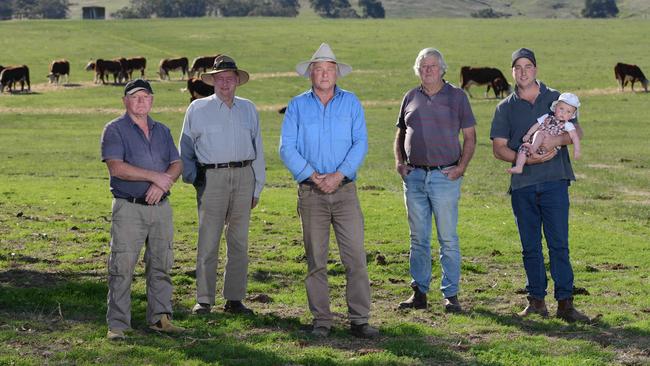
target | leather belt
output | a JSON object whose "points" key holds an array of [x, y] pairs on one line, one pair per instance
{"points": [[309, 182], [142, 200], [232, 164], [433, 167]]}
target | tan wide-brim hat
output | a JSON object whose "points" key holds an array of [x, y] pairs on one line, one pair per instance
{"points": [[324, 53], [224, 63]]}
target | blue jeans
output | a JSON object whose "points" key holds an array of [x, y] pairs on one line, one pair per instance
{"points": [[427, 193], [544, 206]]}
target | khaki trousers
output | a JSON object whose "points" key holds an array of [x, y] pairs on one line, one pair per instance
{"points": [[132, 226], [342, 211], [224, 200]]}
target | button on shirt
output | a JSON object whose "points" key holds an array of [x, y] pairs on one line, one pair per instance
{"points": [[213, 133], [324, 138], [123, 140]]}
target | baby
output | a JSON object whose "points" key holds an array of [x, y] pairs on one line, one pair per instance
{"points": [[564, 109]]}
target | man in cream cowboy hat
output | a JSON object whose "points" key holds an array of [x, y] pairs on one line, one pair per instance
{"points": [[323, 144], [221, 149]]}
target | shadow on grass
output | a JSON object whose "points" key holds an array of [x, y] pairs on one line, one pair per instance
{"points": [[599, 332]]}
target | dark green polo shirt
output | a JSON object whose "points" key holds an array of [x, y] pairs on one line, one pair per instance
{"points": [[512, 119]]}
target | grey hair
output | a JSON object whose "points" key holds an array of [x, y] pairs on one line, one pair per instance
{"points": [[426, 52]]}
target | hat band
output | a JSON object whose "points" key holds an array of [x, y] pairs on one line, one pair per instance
{"points": [[225, 66]]}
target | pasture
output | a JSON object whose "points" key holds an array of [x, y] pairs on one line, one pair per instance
{"points": [[55, 202]]}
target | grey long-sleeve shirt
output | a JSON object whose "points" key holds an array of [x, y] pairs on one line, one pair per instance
{"points": [[213, 133]]}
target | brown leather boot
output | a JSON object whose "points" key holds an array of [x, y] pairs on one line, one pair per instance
{"points": [[417, 301], [568, 313], [535, 306]]}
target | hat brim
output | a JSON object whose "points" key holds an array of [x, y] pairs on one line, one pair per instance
{"points": [[341, 69], [208, 79], [135, 90]]}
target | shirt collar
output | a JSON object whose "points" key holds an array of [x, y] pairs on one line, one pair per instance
{"points": [[542, 89], [150, 122], [220, 103], [337, 91], [441, 91]]}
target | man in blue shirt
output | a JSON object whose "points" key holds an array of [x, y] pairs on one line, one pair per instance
{"points": [[323, 144], [143, 164]]}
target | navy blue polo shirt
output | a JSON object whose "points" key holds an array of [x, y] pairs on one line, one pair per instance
{"points": [[512, 119], [123, 140]]}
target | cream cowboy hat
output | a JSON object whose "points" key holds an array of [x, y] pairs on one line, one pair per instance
{"points": [[324, 53], [224, 63]]}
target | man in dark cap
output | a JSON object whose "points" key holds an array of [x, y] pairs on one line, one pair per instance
{"points": [[540, 195], [143, 164], [223, 157]]}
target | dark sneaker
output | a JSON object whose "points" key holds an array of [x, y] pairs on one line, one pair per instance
{"points": [[237, 307], [201, 308], [363, 331], [165, 325], [417, 301], [452, 305], [568, 313], [535, 306], [320, 332], [115, 335]]}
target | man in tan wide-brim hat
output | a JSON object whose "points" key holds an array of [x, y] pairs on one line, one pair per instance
{"points": [[323, 144], [223, 157]]}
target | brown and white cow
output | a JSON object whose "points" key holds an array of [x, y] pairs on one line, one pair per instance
{"points": [[15, 74], [493, 77], [104, 68], [135, 63], [59, 68], [198, 89], [172, 64], [202, 63], [630, 73]]}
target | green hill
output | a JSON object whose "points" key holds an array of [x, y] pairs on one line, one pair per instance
{"points": [[447, 8]]}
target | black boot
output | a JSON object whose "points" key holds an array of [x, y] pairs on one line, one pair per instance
{"points": [[417, 301]]}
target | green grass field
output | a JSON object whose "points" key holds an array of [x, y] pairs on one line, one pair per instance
{"points": [[55, 203]]}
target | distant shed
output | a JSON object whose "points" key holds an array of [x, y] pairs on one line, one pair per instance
{"points": [[93, 12]]}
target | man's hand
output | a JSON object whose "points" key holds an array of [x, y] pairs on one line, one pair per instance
{"points": [[154, 194], [254, 202], [536, 158], [403, 169], [164, 181], [454, 172], [329, 183]]}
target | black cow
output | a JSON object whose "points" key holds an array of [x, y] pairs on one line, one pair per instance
{"points": [[15, 74], [172, 64], [629, 73], [104, 68], [198, 89], [484, 75], [59, 68], [135, 63], [202, 63]]}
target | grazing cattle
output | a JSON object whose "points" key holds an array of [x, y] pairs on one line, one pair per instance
{"points": [[630, 73], [90, 66], [12, 75], [59, 68], [104, 68], [484, 75], [132, 64], [172, 64], [202, 63], [198, 89]]}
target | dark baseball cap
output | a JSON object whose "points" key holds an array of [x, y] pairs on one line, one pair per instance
{"points": [[523, 52], [136, 85]]}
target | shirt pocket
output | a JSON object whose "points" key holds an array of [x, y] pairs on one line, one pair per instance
{"points": [[342, 128]]}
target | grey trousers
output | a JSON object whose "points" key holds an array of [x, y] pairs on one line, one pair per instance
{"points": [[342, 211], [132, 226], [224, 199]]}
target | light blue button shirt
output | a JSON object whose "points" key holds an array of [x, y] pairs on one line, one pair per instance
{"points": [[324, 138]]}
